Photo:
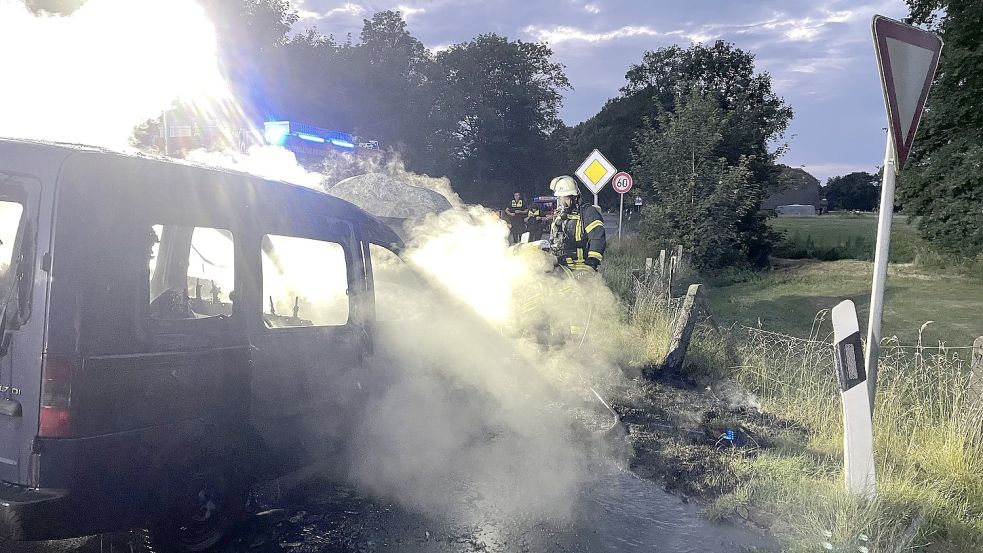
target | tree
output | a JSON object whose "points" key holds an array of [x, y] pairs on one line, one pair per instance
{"points": [[499, 100], [858, 191], [393, 96], [943, 179], [697, 197], [756, 117]]}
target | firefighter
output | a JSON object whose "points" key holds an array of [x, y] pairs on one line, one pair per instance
{"points": [[535, 222], [577, 236], [516, 213]]}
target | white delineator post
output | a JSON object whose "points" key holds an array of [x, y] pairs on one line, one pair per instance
{"points": [[881, 254], [858, 433]]}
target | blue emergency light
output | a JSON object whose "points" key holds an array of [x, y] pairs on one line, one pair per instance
{"points": [[287, 133]]}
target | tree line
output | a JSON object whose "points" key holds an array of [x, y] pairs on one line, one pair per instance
{"points": [[485, 114]]}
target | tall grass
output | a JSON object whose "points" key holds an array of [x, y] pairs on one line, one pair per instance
{"points": [[928, 448], [645, 302]]}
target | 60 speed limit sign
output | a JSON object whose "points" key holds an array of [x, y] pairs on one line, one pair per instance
{"points": [[621, 182]]}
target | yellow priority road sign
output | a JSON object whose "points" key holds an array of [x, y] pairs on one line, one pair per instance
{"points": [[595, 171]]}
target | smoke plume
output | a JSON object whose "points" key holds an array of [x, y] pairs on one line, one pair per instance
{"points": [[491, 406]]}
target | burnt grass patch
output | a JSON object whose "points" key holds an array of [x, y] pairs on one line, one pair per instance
{"points": [[694, 442]]}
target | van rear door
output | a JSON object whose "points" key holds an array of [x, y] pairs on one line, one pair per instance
{"points": [[22, 290]]}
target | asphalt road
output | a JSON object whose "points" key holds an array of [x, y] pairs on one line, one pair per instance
{"points": [[618, 513]]}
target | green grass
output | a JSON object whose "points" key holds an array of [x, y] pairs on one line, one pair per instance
{"points": [[843, 236], [788, 298]]}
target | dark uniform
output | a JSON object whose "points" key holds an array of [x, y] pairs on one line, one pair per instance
{"points": [[534, 223], [517, 217], [577, 238]]}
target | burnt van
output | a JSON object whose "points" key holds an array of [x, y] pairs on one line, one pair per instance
{"points": [[171, 333]]}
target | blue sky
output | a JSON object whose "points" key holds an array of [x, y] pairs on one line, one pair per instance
{"points": [[819, 53]]}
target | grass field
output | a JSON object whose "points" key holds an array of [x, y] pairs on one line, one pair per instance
{"points": [[824, 260], [844, 236], [788, 298]]}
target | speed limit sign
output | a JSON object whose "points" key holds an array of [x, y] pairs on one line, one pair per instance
{"points": [[621, 182]]}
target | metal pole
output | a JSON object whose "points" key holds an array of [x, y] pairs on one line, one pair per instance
{"points": [[621, 213], [167, 136], [880, 269], [595, 201]]}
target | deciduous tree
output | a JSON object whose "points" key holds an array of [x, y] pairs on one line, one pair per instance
{"points": [[697, 197], [943, 179]]}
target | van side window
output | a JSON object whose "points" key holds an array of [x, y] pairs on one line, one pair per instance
{"points": [[192, 272], [10, 217], [397, 288], [305, 282]]}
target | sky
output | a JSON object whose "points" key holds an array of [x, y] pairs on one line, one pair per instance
{"points": [[819, 53]]}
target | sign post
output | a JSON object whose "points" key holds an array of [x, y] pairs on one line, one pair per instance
{"points": [[622, 184], [595, 172], [907, 58]]}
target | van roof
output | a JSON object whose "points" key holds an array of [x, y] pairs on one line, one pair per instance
{"points": [[63, 150]]}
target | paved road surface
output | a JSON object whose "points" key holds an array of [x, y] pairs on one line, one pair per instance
{"points": [[618, 513]]}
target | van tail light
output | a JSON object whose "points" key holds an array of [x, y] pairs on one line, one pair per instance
{"points": [[56, 397]]}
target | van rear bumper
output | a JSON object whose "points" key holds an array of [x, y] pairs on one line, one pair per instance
{"points": [[35, 514]]}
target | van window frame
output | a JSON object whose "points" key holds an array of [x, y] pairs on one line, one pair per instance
{"points": [[396, 250], [208, 325], [322, 229], [23, 283]]}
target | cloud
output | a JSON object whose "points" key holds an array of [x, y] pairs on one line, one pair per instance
{"points": [[808, 28], [349, 8], [409, 11], [560, 34], [801, 29]]}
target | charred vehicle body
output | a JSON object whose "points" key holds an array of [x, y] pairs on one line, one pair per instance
{"points": [[170, 334]]}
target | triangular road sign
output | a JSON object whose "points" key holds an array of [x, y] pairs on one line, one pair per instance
{"points": [[907, 57]]}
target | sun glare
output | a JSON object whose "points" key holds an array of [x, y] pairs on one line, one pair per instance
{"points": [[94, 75]]}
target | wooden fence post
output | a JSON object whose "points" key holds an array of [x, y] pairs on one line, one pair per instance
{"points": [[976, 372], [648, 268], [662, 263], [679, 257], [683, 331], [669, 275]]}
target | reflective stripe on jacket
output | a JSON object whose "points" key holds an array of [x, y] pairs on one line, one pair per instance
{"points": [[583, 237]]}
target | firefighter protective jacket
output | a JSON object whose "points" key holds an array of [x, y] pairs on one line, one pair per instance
{"points": [[578, 236]]}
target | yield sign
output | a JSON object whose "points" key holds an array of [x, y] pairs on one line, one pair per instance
{"points": [[907, 57]]}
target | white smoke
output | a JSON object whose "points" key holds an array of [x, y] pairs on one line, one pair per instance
{"points": [[94, 75], [490, 407], [268, 162]]}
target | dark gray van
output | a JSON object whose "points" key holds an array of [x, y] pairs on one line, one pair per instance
{"points": [[170, 334]]}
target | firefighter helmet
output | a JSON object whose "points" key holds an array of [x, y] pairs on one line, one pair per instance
{"points": [[564, 186]]}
